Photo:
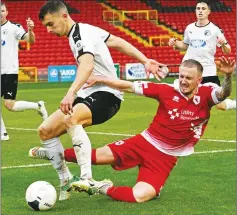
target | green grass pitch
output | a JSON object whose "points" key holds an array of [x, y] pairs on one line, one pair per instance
{"points": [[201, 184]]}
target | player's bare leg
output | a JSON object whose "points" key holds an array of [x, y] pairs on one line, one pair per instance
{"points": [[49, 132], [16, 106]]}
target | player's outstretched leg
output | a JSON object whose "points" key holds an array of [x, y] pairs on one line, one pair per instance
{"points": [[92, 187]]}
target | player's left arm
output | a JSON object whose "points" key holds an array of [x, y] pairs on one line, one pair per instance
{"points": [[222, 42], [226, 66], [30, 35], [225, 47]]}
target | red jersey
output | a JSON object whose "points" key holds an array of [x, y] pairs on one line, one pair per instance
{"points": [[179, 122]]}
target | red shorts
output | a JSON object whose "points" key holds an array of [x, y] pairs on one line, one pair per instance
{"points": [[154, 165]]}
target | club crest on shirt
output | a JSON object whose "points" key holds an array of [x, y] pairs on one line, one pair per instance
{"points": [[207, 33], [5, 32], [196, 100], [79, 45]]}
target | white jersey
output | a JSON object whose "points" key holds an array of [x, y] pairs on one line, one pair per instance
{"points": [[84, 38], [202, 41], [11, 33]]}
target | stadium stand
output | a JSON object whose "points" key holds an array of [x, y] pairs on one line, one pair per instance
{"points": [[136, 27]]}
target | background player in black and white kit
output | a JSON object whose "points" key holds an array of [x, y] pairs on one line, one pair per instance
{"points": [[200, 41], [83, 107], [11, 33]]}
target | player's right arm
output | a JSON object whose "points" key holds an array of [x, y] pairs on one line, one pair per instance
{"points": [[146, 88], [178, 44], [125, 86]]}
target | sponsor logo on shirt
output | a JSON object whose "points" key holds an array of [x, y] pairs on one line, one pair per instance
{"points": [[3, 42], [176, 99], [173, 113], [182, 115], [197, 43]]}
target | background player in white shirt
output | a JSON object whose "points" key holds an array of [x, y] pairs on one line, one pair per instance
{"points": [[11, 33], [200, 41], [96, 105], [180, 121]]}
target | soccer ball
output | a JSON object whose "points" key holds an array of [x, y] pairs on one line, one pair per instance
{"points": [[165, 70], [41, 196]]}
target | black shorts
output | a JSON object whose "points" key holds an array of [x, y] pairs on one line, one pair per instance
{"points": [[103, 105], [212, 79], [9, 84]]}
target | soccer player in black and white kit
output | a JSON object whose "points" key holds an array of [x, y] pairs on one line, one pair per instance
{"points": [[11, 33], [200, 41], [83, 107]]}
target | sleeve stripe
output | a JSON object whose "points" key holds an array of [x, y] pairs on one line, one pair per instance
{"points": [[107, 38], [83, 54], [23, 35], [213, 95], [76, 36]]}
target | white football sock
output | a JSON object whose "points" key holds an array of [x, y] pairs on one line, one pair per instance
{"points": [[3, 128], [55, 153], [230, 104], [23, 105], [82, 148]]}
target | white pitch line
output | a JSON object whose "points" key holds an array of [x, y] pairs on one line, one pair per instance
{"points": [[26, 166], [215, 151], [49, 164], [125, 135]]}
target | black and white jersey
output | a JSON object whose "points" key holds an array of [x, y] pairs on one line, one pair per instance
{"points": [[88, 39], [202, 41], [11, 33]]}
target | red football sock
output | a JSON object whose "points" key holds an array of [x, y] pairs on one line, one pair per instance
{"points": [[124, 194], [93, 156], [70, 155]]}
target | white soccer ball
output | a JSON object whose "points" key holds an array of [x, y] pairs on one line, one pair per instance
{"points": [[165, 70], [41, 196]]}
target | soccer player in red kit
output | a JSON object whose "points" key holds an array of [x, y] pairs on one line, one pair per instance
{"points": [[180, 121]]}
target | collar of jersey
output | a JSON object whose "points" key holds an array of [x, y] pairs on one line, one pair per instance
{"points": [[5, 23], [71, 30], [202, 26]]}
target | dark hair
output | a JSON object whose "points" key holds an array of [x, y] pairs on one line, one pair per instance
{"points": [[193, 63], [208, 2], [51, 6], [3, 4]]}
